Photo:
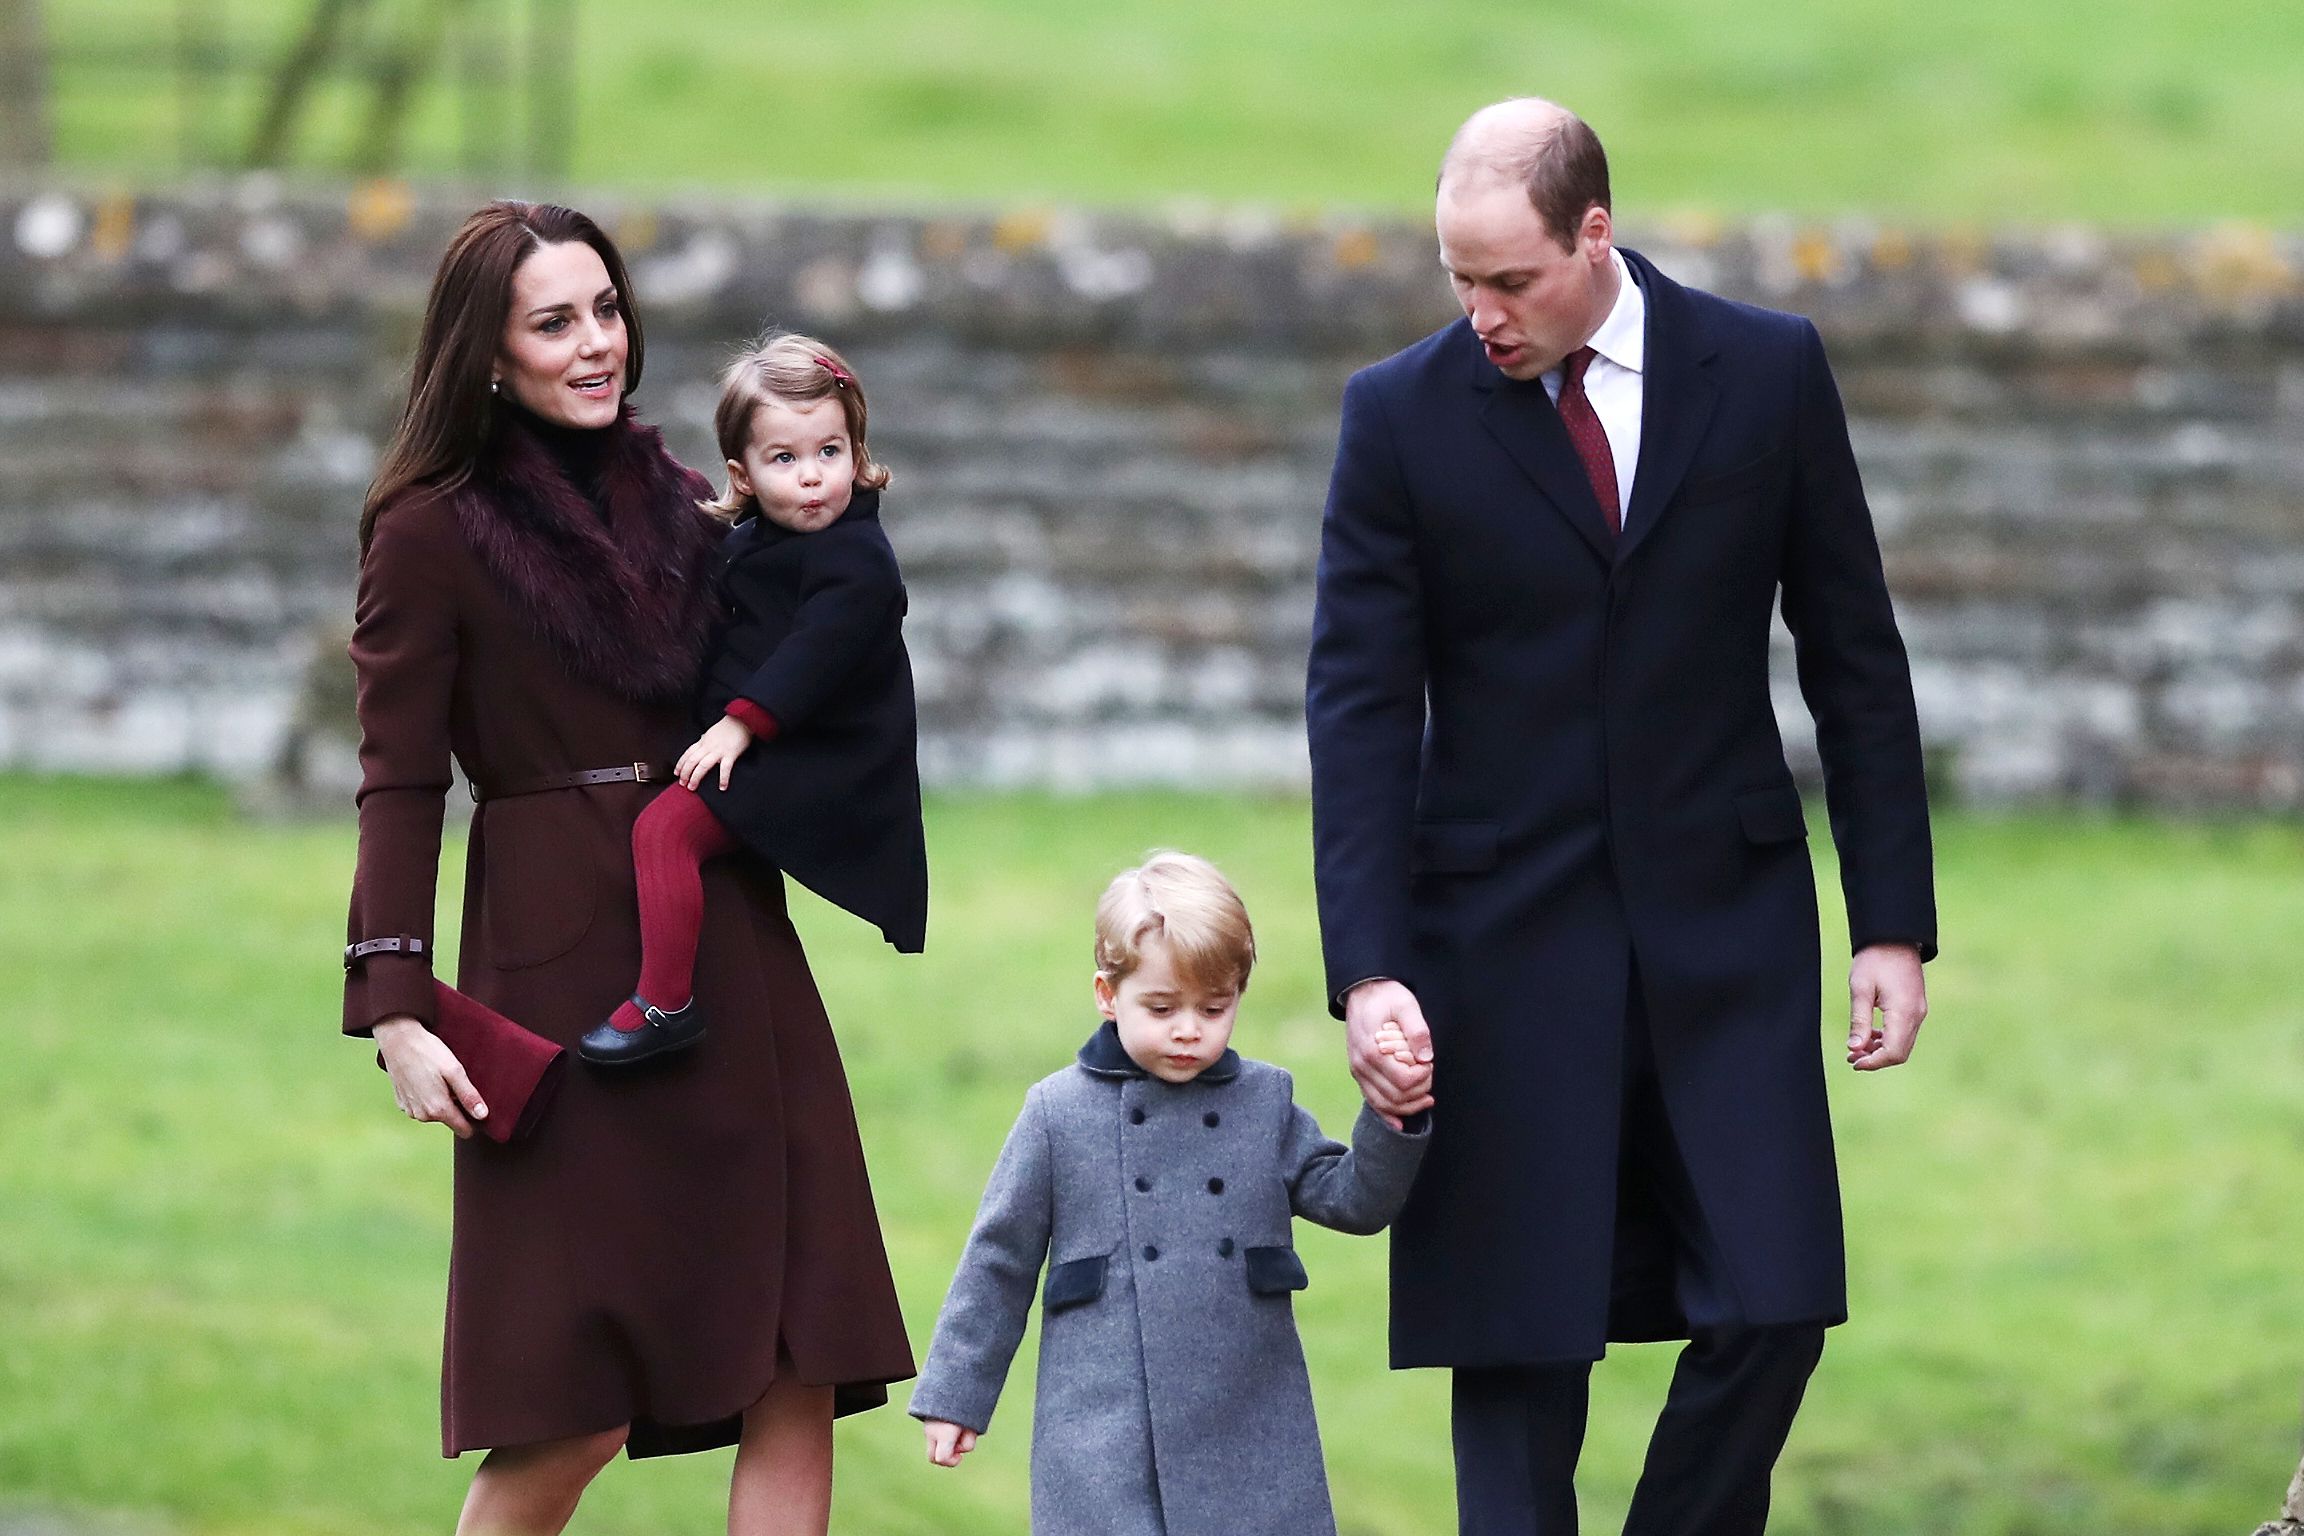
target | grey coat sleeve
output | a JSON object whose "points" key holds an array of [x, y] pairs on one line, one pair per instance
{"points": [[1357, 1189], [991, 1296]]}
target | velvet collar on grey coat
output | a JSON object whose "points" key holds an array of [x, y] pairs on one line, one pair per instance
{"points": [[1105, 1056], [622, 591]]}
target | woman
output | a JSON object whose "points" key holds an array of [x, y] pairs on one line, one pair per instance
{"points": [[675, 1259]]}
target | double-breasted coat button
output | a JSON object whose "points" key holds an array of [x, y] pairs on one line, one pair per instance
{"points": [[1211, 1119], [1150, 1253], [1224, 1249], [1143, 1186], [1215, 1186], [1135, 1117]]}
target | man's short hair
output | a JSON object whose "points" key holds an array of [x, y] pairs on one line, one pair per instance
{"points": [[1187, 901], [1561, 164]]}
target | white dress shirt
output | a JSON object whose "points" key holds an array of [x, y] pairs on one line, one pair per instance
{"points": [[1613, 382]]}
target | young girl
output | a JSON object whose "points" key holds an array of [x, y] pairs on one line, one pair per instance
{"points": [[811, 757], [1157, 1178]]}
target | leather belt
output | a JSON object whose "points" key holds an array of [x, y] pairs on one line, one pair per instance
{"points": [[622, 773], [403, 945]]}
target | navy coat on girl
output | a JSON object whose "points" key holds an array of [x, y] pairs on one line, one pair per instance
{"points": [[812, 632], [1172, 1397]]}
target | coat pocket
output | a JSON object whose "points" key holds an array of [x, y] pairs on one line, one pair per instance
{"points": [[1752, 475], [1275, 1271], [1454, 847], [536, 903], [1073, 1282], [1772, 815]]}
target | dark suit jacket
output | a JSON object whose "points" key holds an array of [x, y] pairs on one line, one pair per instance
{"points": [[1541, 756], [814, 635]]}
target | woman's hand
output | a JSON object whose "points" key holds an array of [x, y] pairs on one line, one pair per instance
{"points": [[947, 1442], [718, 747], [427, 1079]]}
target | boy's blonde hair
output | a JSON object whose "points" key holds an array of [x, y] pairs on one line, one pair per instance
{"points": [[797, 369], [1187, 901]]}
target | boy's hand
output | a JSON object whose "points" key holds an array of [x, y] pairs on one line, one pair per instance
{"points": [[1392, 1042], [947, 1442], [1371, 1007], [718, 747], [1418, 1080]]}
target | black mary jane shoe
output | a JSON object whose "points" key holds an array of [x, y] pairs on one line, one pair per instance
{"points": [[604, 1045]]}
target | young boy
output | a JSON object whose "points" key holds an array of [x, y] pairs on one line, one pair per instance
{"points": [[1157, 1178]]}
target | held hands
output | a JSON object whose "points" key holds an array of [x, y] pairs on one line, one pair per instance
{"points": [[718, 748], [1886, 978], [947, 1442], [1390, 1041], [1390, 1049], [427, 1079]]}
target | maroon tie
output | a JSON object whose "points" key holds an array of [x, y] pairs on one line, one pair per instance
{"points": [[1590, 438]]}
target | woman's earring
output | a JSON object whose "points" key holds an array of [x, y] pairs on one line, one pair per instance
{"points": [[495, 386]]}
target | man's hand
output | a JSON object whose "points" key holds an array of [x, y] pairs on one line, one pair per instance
{"points": [[947, 1442], [718, 748], [1884, 978], [1395, 1076]]}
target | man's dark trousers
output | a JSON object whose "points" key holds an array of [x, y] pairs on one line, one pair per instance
{"points": [[1518, 1429]]}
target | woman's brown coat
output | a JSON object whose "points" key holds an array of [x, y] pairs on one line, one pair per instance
{"points": [[675, 1237]]}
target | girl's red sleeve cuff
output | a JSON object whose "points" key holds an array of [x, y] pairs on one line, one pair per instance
{"points": [[761, 723]]}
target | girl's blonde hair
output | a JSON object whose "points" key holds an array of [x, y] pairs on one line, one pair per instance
{"points": [[1187, 901], [784, 365]]}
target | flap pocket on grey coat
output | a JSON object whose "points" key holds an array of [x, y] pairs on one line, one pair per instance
{"points": [[1455, 847], [1772, 815], [1275, 1271], [1073, 1282]]}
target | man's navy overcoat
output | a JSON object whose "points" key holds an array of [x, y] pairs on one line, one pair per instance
{"points": [[1544, 763]]}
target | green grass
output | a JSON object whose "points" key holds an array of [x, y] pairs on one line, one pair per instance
{"points": [[1968, 111], [2073, 1225]]}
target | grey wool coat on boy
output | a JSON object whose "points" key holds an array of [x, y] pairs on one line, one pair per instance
{"points": [[1172, 1395]]}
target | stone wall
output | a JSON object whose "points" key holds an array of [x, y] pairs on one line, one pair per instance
{"points": [[1111, 437]]}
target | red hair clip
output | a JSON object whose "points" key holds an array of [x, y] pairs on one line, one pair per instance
{"points": [[840, 375]]}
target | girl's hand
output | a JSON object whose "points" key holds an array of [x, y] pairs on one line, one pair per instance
{"points": [[718, 747], [947, 1442], [427, 1079]]}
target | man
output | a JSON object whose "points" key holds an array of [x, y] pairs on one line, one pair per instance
{"points": [[1552, 816]]}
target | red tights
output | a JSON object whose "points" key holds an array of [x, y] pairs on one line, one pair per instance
{"points": [[670, 843]]}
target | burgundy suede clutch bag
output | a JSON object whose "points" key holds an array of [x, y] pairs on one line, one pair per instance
{"points": [[516, 1070]]}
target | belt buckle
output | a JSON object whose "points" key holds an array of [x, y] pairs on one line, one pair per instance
{"points": [[641, 775]]}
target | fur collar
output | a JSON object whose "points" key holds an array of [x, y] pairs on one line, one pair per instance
{"points": [[625, 599]]}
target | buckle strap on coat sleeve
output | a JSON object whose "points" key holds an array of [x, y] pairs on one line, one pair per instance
{"points": [[403, 944]]}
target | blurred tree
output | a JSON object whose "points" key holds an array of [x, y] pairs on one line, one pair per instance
{"points": [[301, 69], [24, 135], [394, 50]]}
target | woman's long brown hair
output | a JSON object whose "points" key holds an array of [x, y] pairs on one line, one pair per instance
{"points": [[449, 412]]}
